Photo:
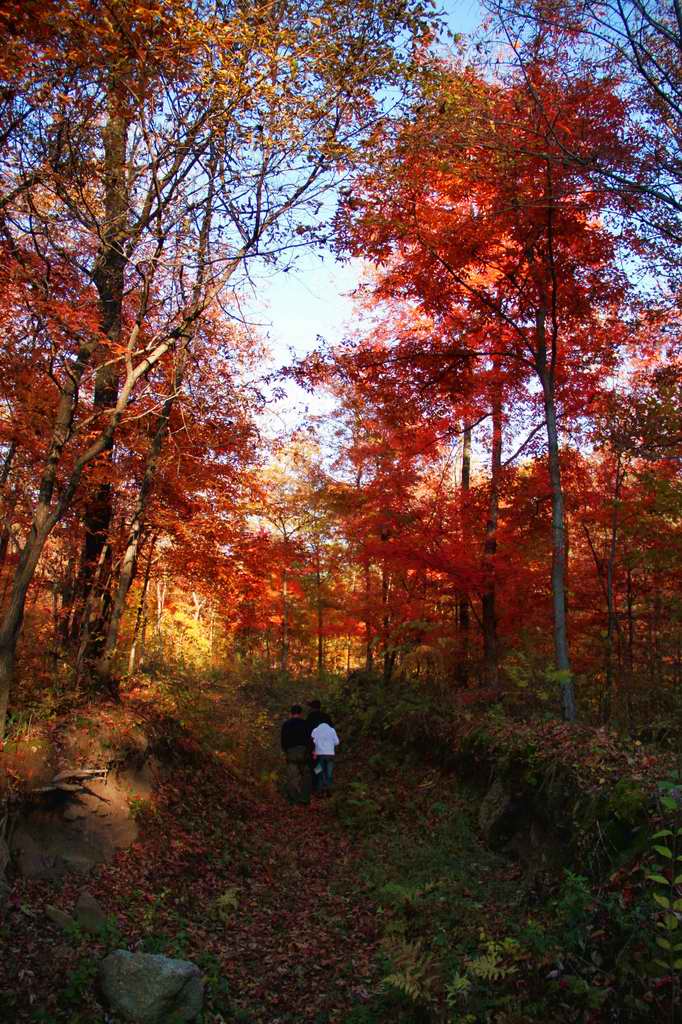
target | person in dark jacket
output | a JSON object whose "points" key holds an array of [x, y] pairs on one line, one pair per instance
{"points": [[297, 747], [316, 715]]}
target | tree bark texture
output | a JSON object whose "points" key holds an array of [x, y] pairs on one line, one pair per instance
{"points": [[488, 610], [561, 650]]}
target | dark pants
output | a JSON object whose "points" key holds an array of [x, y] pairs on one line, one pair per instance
{"points": [[298, 781], [326, 776]]}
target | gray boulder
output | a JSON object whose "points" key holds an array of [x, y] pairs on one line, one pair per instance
{"points": [[149, 988], [89, 914]]}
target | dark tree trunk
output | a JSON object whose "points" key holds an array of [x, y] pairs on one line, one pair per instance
{"points": [[109, 279]]}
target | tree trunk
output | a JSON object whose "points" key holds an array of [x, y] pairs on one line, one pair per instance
{"points": [[14, 613], [142, 603], [109, 279], [463, 603], [320, 621], [369, 646], [129, 562], [7, 511], [561, 652], [284, 653], [161, 587], [612, 614], [389, 655], [488, 610]]}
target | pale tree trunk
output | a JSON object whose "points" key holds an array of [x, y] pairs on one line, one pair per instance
{"points": [[488, 610], [161, 588], [140, 616], [284, 653], [199, 604], [320, 619], [268, 653], [369, 647], [561, 652], [211, 635], [389, 656], [463, 603]]}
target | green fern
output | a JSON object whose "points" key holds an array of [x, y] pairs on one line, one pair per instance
{"points": [[415, 974]]}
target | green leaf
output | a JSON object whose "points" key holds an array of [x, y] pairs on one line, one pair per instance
{"points": [[677, 880], [660, 879], [664, 851], [677, 964], [668, 803], [662, 901], [677, 905], [663, 943], [663, 832]]}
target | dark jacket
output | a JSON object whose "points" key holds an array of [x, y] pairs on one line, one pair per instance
{"points": [[296, 733], [315, 718]]}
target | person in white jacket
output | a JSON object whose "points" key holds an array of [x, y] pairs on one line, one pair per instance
{"points": [[325, 741]]}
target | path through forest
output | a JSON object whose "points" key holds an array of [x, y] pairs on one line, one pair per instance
{"points": [[286, 910], [326, 884]]}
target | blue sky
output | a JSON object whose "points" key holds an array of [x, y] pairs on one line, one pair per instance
{"points": [[313, 298]]}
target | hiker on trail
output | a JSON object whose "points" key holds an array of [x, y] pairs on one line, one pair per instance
{"points": [[296, 744], [325, 741], [315, 716]]}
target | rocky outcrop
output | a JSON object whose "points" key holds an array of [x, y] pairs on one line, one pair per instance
{"points": [[73, 808], [496, 811], [75, 830], [150, 989]]}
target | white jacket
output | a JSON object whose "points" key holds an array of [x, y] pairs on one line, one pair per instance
{"points": [[325, 739]]}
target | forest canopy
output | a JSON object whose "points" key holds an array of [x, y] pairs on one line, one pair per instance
{"points": [[493, 508]]}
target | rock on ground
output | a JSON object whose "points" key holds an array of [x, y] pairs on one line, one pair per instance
{"points": [[59, 917], [149, 988], [89, 914]]}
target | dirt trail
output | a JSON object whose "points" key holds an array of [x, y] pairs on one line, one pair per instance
{"points": [[305, 937], [268, 899], [305, 941]]}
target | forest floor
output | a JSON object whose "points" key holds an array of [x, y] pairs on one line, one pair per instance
{"points": [[379, 906]]}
